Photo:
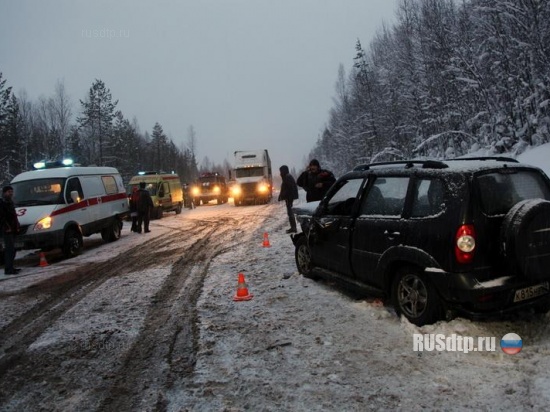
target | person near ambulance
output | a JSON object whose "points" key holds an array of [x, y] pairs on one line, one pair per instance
{"points": [[144, 207], [133, 199], [9, 228]]}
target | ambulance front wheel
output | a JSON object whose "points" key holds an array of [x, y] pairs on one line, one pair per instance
{"points": [[73, 243]]}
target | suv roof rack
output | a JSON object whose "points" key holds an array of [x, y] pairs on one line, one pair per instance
{"points": [[426, 164], [495, 158]]}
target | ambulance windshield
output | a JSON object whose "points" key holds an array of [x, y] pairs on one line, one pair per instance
{"points": [[39, 192]]}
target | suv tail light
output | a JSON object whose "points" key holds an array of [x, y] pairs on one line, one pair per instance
{"points": [[465, 244]]}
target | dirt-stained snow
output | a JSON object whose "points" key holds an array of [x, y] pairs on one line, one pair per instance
{"points": [[297, 345]]}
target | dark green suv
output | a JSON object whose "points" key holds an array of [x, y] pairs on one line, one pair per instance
{"points": [[468, 236]]}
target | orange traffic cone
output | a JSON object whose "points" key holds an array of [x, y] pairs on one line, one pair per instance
{"points": [[43, 261], [266, 240], [242, 290]]}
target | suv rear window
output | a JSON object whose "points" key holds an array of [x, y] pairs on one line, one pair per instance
{"points": [[500, 191]]}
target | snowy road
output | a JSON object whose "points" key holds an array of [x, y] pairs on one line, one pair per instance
{"points": [[149, 323]]}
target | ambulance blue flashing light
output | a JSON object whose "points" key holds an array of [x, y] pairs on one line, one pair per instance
{"points": [[53, 164]]}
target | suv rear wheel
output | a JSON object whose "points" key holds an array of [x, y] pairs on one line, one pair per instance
{"points": [[415, 297]]}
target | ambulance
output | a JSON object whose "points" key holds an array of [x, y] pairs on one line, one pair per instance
{"points": [[165, 189], [58, 204]]}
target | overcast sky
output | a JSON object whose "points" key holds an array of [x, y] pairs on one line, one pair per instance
{"points": [[247, 74]]}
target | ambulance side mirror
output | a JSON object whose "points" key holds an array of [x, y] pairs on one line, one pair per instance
{"points": [[74, 196]]}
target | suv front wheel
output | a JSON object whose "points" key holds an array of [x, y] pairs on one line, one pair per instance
{"points": [[303, 258], [415, 297]]}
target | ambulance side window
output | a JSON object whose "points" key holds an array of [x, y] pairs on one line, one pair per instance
{"points": [[73, 185], [110, 185]]}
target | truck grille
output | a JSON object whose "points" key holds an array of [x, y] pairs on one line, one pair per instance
{"points": [[248, 188]]}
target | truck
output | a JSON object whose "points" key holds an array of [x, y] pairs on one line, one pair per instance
{"points": [[253, 177], [210, 186]]}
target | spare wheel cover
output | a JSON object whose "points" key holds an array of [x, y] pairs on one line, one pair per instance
{"points": [[525, 238]]}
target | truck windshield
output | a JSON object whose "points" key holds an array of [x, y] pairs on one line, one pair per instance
{"points": [[39, 192], [249, 172], [213, 179]]}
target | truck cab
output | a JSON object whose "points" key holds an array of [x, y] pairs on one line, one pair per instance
{"points": [[210, 186], [253, 178]]}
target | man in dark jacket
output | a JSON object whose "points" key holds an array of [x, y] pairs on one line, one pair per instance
{"points": [[9, 227], [144, 207], [315, 181], [288, 193]]}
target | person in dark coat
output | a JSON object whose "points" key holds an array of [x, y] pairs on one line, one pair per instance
{"points": [[144, 207], [9, 228], [288, 193], [134, 199], [315, 181]]}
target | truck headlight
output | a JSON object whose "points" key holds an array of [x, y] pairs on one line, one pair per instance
{"points": [[42, 224], [195, 191], [263, 188], [236, 190], [217, 190]]}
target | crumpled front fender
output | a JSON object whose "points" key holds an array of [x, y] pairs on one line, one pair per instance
{"points": [[297, 237]]}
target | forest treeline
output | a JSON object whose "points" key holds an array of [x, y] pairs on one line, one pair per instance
{"points": [[446, 79], [98, 134]]}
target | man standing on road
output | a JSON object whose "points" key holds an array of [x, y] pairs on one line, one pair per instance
{"points": [[288, 193], [134, 198], [9, 227], [315, 181], [144, 207]]}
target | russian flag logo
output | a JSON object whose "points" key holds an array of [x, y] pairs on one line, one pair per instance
{"points": [[511, 343]]}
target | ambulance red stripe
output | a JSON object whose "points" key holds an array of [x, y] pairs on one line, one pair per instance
{"points": [[89, 202]]}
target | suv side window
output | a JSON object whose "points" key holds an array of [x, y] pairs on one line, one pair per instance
{"points": [[342, 201], [429, 199], [386, 197]]}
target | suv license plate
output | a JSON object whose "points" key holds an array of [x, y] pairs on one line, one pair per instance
{"points": [[531, 292]]}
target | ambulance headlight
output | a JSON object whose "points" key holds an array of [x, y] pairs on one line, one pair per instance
{"points": [[42, 224]]}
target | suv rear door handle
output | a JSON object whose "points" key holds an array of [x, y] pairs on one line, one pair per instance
{"points": [[392, 235]]}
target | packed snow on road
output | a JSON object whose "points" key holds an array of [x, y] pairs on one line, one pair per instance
{"points": [[149, 322]]}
